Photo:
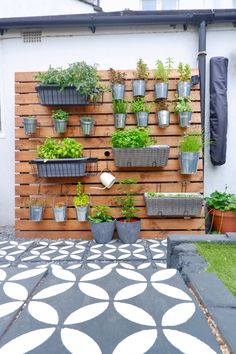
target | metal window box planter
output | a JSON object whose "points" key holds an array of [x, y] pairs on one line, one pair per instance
{"points": [[64, 167], [151, 156], [53, 95], [173, 205]]}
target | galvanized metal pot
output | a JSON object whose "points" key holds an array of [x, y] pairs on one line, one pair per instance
{"points": [[30, 125], [87, 125], [36, 212], [103, 231], [139, 87], [82, 213], [188, 162], [60, 125], [184, 88], [184, 119], [163, 118], [142, 119], [128, 232], [118, 91], [120, 120], [161, 90], [60, 213]]}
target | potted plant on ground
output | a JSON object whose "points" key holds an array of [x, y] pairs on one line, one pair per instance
{"points": [[173, 204], [62, 158], [30, 124], [60, 120], [184, 84], [163, 114], [161, 75], [59, 212], [77, 84], [102, 224], [36, 208], [117, 79], [87, 125], [222, 208], [189, 148], [129, 225], [183, 108], [141, 75], [135, 147], [120, 108], [141, 110], [81, 203]]}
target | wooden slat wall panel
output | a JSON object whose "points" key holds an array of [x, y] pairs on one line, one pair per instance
{"points": [[55, 189]]}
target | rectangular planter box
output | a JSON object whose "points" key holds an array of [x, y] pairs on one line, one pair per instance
{"points": [[172, 205], [151, 156], [61, 167], [54, 95]]}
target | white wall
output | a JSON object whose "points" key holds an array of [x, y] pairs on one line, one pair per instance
{"points": [[125, 48]]}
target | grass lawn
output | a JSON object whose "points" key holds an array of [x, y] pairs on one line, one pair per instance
{"points": [[221, 260]]}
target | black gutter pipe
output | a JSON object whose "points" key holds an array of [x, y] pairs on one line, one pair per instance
{"points": [[202, 68]]}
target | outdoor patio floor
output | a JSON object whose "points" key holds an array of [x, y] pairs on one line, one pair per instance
{"points": [[72, 296]]}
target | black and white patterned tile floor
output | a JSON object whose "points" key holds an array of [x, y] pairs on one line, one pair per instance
{"points": [[53, 302]]}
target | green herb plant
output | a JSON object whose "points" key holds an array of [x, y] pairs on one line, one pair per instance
{"points": [[191, 142], [60, 114], [222, 201], [80, 75], [100, 213], [81, 199], [163, 70], [184, 72], [183, 104], [116, 77], [139, 105], [126, 202], [142, 71], [66, 148], [36, 202], [132, 138], [120, 106]]}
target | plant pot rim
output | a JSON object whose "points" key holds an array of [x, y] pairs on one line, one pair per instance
{"points": [[121, 219], [102, 222]]}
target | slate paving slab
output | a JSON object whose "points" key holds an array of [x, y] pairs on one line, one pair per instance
{"points": [[111, 311], [157, 248], [16, 286], [12, 250]]}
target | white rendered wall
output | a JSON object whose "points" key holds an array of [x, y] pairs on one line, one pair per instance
{"points": [[121, 50]]}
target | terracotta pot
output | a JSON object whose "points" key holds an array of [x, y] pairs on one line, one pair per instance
{"points": [[223, 221]]}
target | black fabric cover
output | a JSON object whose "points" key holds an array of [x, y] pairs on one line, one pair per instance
{"points": [[218, 110]]}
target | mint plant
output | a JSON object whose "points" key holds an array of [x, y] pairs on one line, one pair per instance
{"points": [[66, 148], [100, 213], [132, 138], [60, 114]]}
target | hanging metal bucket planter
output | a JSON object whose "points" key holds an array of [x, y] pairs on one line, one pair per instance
{"points": [[36, 212], [161, 90], [139, 87], [87, 125], [118, 91], [142, 119], [120, 120], [184, 119], [163, 118], [184, 88], [188, 162], [60, 125], [60, 213], [82, 213], [30, 125]]}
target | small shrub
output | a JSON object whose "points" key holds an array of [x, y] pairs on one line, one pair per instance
{"points": [[116, 77], [141, 72]]}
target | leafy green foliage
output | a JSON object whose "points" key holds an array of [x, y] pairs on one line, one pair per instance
{"points": [[184, 72], [222, 201], [183, 104], [60, 114], [120, 106], [80, 75], [139, 105], [163, 70], [100, 213], [191, 142], [142, 71], [131, 138], [126, 203], [66, 148], [81, 199], [116, 77], [36, 202]]}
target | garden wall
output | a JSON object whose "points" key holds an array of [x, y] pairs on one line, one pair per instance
{"points": [[166, 179]]}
